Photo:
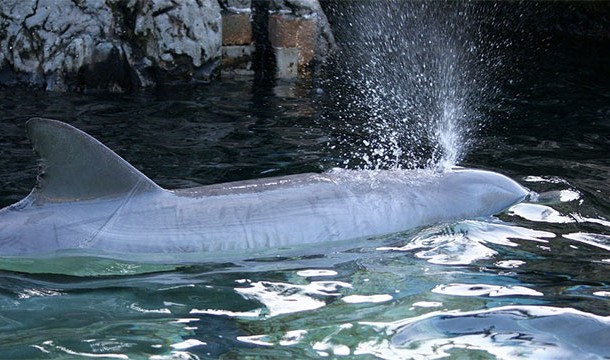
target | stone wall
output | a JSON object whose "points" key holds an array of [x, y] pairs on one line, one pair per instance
{"points": [[122, 45], [296, 34]]}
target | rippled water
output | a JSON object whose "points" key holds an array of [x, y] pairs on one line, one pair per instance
{"points": [[531, 283]]}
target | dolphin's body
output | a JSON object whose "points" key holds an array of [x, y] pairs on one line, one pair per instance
{"points": [[87, 197]]}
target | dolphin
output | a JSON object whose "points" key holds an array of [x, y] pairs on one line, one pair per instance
{"points": [[89, 198]]}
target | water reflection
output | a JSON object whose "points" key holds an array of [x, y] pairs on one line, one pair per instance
{"points": [[484, 289], [467, 242], [284, 298], [505, 332]]}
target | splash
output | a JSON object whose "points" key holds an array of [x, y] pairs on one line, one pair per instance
{"points": [[411, 80]]}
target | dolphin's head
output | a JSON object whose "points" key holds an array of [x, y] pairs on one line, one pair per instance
{"points": [[489, 192]]}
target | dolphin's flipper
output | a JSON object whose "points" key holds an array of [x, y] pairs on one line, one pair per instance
{"points": [[74, 166]]}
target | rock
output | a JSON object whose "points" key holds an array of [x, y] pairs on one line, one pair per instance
{"points": [[114, 45], [182, 39], [47, 40], [121, 45]]}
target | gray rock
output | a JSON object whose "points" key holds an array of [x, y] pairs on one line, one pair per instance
{"points": [[180, 39], [112, 45]]}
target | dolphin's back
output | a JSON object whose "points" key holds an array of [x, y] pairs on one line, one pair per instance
{"points": [[87, 197], [307, 208], [275, 212]]}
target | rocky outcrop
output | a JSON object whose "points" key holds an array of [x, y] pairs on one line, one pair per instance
{"points": [[112, 45], [182, 40], [121, 45]]}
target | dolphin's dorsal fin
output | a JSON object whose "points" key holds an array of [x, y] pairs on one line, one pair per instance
{"points": [[75, 166]]}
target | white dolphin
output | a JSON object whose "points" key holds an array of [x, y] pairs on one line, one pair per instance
{"points": [[89, 198]]}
